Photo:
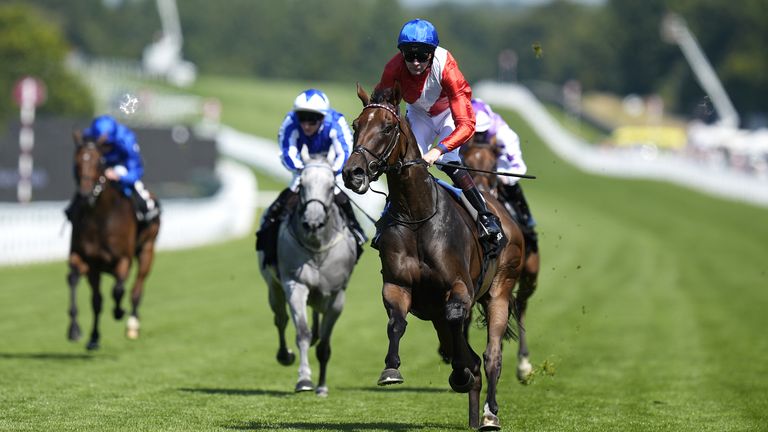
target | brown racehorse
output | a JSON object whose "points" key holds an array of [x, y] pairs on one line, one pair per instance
{"points": [[430, 254], [484, 156], [105, 238]]}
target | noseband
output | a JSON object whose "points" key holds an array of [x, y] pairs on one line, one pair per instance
{"points": [[379, 165], [99, 184]]}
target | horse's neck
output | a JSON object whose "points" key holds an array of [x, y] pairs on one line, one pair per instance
{"points": [[412, 190]]}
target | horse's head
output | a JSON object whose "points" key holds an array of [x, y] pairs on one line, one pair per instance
{"points": [[89, 165], [480, 154], [317, 183], [378, 146]]}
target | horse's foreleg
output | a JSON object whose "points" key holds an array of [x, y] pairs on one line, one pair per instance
{"points": [[528, 283], [497, 313], [323, 349], [73, 277], [397, 302], [121, 274], [94, 279], [277, 303], [145, 257], [457, 311], [297, 295]]}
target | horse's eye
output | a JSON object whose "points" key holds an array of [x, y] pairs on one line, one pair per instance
{"points": [[387, 129]]}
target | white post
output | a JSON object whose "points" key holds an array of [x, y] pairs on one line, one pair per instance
{"points": [[26, 139]]}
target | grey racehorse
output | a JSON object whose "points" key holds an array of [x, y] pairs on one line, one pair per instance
{"points": [[315, 257]]}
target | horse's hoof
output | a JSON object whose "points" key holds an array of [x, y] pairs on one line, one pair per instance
{"points": [[390, 376], [118, 313], [304, 385], [132, 328], [322, 391], [490, 423], [524, 370], [74, 333], [461, 382], [286, 357], [92, 345]]}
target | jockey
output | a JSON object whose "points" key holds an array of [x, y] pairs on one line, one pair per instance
{"points": [[313, 124], [124, 166], [438, 107], [491, 128]]}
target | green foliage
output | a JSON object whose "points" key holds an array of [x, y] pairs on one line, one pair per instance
{"points": [[31, 44]]}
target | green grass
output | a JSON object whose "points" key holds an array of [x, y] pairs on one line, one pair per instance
{"points": [[650, 308]]}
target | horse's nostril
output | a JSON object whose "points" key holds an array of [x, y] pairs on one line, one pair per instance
{"points": [[358, 172]]}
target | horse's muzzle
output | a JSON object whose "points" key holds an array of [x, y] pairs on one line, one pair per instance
{"points": [[355, 179]]}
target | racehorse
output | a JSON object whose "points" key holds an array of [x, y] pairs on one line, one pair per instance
{"points": [[105, 238], [431, 257], [316, 253], [484, 156]]}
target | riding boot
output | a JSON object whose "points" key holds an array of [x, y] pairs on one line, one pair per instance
{"points": [[513, 194], [342, 200], [266, 236], [490, 227], [147, 208]]}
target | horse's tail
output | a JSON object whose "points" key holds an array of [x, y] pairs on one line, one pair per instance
{"points": [[511, 332]]}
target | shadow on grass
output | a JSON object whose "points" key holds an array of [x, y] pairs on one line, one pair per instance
{"points": [[398, 389], [354, 426], [48, 356], [238, 392]]}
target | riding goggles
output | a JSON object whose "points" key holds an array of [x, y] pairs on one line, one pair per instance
{"points": [[412, 56], [309, 117]]}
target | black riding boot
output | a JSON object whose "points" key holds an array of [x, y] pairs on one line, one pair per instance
{"points": [[342, 200], [490, 232], [514, 196], [266, 236]]}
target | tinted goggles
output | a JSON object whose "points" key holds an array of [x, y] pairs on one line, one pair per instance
{"points": [[421, 56], [309, 117]]}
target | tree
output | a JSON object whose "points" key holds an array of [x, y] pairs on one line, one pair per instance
{"points": [[31, 45]]}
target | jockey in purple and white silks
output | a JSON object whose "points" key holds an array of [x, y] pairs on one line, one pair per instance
{"points": [[313, 124], [491, 128], [123, 165]]}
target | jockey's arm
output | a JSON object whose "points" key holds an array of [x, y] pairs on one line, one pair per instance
{"points": [[341, 137], [288, 137], [460, 103]]}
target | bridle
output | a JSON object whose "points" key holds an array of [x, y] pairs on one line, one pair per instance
{"points": [[305, 203], [379, 164], [100, 182]]}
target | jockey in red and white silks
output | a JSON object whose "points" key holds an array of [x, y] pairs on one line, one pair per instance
{"points": [[438, 102]]}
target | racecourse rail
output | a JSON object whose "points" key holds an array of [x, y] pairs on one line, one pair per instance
{"points": [[38, 231]]}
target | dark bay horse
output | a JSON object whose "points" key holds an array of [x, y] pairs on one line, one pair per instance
{"points": [[484, 156], [105, 238], [430, 254], [316, 252]]}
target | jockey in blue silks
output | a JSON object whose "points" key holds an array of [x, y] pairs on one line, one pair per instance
{"points": [[315, 125], [124, 165]]}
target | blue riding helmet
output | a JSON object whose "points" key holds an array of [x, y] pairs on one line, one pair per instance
{"points": [[418, 31], [102, 125]]}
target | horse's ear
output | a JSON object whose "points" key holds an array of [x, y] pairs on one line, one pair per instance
{"points": [[364, 98], [396, 94], [77, 137]]}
